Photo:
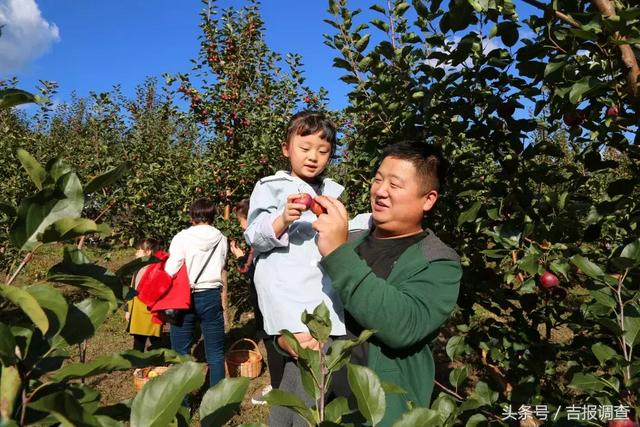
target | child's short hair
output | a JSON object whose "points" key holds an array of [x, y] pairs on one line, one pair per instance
{"points": [[242, 208], [148, 244], [431, 166], [308, 122], [202, 211]]}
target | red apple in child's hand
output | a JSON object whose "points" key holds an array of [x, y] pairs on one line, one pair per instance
{"points": [[310, 204], [549, 280], [305, 200]]}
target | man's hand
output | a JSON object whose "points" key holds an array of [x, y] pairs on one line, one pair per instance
{"points": [[235, 249], [332, 227], [304, 339]]}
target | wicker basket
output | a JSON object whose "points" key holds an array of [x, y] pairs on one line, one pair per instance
{"points": [[243, 362], [140, 375]]}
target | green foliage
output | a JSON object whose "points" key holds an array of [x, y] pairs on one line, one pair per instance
{"points": [[544, 178], [38, 324]]}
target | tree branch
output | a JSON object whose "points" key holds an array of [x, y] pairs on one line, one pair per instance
{"points": [[607, 8], [547, 8]]}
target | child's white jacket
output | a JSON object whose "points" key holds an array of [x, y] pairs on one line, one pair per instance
{"points": [[288, 276]]}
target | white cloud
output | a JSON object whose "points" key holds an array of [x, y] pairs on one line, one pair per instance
{"points": [[25, 35]]}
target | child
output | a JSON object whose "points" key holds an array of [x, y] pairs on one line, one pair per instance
{"points": [[203, 249], [246, 266], [140, 325], [288, 278]]}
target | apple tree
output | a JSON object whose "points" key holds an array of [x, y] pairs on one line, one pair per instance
{"points": [[536, 106]]}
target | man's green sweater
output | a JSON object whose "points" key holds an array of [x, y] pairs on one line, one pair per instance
{"points": [[406, 310]]}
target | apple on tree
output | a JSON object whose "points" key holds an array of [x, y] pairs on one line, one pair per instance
{"points": [[548, 280]]}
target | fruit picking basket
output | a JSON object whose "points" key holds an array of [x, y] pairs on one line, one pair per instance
{"points": [[243, 362], [142, 375]]}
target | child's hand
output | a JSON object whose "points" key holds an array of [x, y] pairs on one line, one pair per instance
{"points": [[127, 316], [292, 210], [236, 250]]}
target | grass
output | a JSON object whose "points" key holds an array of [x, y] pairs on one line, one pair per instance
{"points": [[111, 336]]}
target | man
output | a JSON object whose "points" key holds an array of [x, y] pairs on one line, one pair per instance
{"points": [[396, 278]]}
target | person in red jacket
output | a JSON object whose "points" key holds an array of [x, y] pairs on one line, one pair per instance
{"points": [[140, 323]]}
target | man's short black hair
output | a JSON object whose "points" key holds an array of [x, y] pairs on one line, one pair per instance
{"points": [[430, 164], [202, 211]]}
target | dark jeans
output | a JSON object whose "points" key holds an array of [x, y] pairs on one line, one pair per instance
{"points": [[206, 307]]}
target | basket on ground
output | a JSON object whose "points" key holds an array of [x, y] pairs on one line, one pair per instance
{"points": [[243, 362], [141, 375]]}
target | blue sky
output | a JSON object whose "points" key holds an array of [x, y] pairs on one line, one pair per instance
{"points": [[93, 44]]}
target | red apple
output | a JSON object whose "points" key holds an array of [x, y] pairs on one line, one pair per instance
{"points": [[310, 204], [548, 280], [317, 209], [622, 423], [613, 111], [305, 200]]}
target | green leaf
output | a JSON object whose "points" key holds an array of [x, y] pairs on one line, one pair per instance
{"points": [[12, 97], [91, 285], [508, 32], [603, 352], [282, 398], [338, 354], [161, 397], [581, 88], [117, 362], [368, 392], [586, 382], [37, 212], [470, 214], [632, 251], [455, 346], [458, 375], [554, 66], [336, 409], [65, 408], [10, 385], [476, 420], [483, 394], [318, 322], [444, 405], [362, 44], [560, 267], [53, 304], [222, 401], [418, 417], [28, 304], [390, 388], [68, 228], [34, 169], [632, 324], [7, 346], [587, 267], [107, 178], [82, 322]]}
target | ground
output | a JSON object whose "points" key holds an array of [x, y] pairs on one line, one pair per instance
{"points": [[112, 337]]}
